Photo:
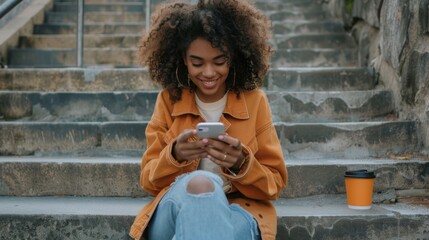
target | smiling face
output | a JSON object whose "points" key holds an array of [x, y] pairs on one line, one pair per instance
{"points": [[208, 69]]}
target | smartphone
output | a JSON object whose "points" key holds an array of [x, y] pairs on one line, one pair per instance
{"points": [[210, 129]]}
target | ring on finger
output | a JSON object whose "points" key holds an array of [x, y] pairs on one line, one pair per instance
{"points": [[224, 157]]}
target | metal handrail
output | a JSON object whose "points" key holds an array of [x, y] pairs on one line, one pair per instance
{"points": [[147, 15], [7, 6], [80, 29], [79, 33]]}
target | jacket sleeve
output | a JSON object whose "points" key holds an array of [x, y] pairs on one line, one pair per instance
{"points": [[264, 174], [158, 167]]}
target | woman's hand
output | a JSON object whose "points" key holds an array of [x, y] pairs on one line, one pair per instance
{"points": [[184, 150], [225, 151]]}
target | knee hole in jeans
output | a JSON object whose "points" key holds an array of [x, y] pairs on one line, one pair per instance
{"points": [[200, 184]]}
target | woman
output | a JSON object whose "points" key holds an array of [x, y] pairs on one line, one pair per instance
{"points": [[210, 59]]}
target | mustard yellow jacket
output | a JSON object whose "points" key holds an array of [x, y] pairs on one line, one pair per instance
{"points": [[247, 118]]}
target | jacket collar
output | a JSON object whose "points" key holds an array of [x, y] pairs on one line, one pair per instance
{"points": [[235, 107]]}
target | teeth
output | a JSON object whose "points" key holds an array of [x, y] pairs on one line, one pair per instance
{"points": [[209, 83]]}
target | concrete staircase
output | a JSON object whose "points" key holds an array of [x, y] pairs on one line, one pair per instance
{"points": [[111, 37], [71, 139]]}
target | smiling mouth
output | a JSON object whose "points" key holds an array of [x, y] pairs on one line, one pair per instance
{"points": [[210, 83]]}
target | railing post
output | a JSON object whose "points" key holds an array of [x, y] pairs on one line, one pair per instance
{"points": [[79, 34], [147, 15]]}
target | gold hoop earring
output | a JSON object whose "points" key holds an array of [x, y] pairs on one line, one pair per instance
{"points": [[178, 79]]}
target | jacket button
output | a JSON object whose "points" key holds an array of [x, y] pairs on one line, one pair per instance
{"points": [[260, 215], [248, 204]]}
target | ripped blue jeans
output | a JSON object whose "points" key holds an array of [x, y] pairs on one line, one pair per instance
{"points": [[182, 215]]}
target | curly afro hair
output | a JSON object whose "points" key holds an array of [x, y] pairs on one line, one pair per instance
{"points": [[236, 27]]}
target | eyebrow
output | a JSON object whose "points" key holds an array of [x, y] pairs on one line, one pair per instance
{"points": [[215, 58]]}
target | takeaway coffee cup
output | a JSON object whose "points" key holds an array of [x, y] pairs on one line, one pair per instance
{"points": [[359, 188]]}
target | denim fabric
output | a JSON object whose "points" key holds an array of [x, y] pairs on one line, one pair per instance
{"points": [[184, 216]]}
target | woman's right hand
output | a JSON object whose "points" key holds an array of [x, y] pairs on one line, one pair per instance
{"points": [[184, 149]]}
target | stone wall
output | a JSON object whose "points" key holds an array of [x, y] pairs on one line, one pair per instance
{"points": [[393, 38]]}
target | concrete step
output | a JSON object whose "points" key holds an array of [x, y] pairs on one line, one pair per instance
{"points": [[94, 28], [315, 58], [138, 106], [48, 58], [306, 27], [118, 176], [313, 14], [348, 140], [320, 79], [101, 7], [124, 36], [321, 217], [346, 106], [315, 41], [122, 79], [94, 17], [101, 1], [78, 106], [126, 57], [28, 138], [69, 41], [76, 79], [299, 140], [288, 5]]}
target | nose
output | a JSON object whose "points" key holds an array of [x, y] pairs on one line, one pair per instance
{"points": [[209, 71]]}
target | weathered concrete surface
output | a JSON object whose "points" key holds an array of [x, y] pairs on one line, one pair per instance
{"points": [[320, 79], [119, 176], [97, 79], [112, 6], [94, 17], [302, 5], [328, 40], [36, 138], [315, 58], [329, 218], [91, 41], [68, 218], [124, 57], [139, 105], [330, 106], [305, 27], [101, 79], [77, 106], [350, 140], [91, 29], [300, 140], [80, 176], [322, 217]]}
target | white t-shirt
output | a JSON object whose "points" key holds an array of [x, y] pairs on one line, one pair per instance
{"points": [[212, 112]]}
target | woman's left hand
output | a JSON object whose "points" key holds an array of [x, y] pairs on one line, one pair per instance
{"points": [[225, 151]]}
